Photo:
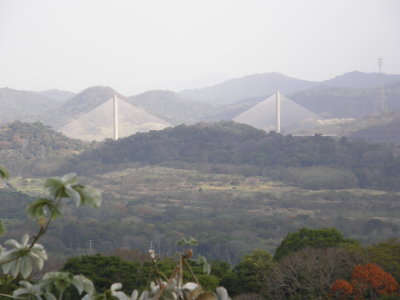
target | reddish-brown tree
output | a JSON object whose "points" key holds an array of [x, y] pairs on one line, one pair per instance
{"points": [[371, 280], [341, 289], [367, 282]]}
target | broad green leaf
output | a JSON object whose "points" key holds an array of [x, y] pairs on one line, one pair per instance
{"points": [[22, 261], [83, 284], [73, 194], [206, 268], [40, 208], [91, 196], [134, 295], [38, 260], [32, 291], [144, 295], [67, 187], [88, 195], [26, 267], [61, 280], [4, 173], [15, 269], [69, 178], [201, 259], [222, 293], [56, 187], [49, 296]]}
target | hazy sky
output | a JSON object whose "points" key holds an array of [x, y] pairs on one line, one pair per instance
{"points": [[135, 45]]}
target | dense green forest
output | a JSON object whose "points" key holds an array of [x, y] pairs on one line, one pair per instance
{"points": [[352, 163], [33, 148], [306, 265], [388, 133], [230, 186]]}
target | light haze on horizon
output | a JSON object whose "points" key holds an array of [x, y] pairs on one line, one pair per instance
{"points": [[134, 46]]}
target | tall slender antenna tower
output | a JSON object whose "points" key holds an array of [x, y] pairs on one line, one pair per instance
{"points": [[382, 93], [115, 116], [278, 112]]}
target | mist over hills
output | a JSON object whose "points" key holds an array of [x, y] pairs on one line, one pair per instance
{"points": [[57, 94], [328, 102], [346, 102], [80, 104], [388, 133], [263, 85], [361, 79], [23, 105], [257, 85], [351, 95], [171, 107]]}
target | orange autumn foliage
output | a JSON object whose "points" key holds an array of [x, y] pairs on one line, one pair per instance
{"points": [[366, 280], [373, 277], [342, 287]]}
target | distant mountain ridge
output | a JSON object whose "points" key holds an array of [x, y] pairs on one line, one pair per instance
{"points": [[19, 105], [388, 133], [57, 94], [171, 107], [263, 85], [351, 95], [257, 85], [80, 104], [351, 127], [361, 79], [347, 102]]}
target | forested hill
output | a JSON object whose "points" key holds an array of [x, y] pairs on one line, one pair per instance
{"points": [[222, 142], [387, 133], [238, 144], [34, 142]]}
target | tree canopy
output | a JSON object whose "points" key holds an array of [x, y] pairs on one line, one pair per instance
{"points": [[311, 238]]}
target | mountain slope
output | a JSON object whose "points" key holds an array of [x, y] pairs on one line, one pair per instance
{"points": [[29, 147], [335, 102], [346, 127], [388, 133], [229, 143], [22, 105], [361, 79], [97, 124], [78, 105], [258, 85], [329, 102], [57, 94], [171, 107]]}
